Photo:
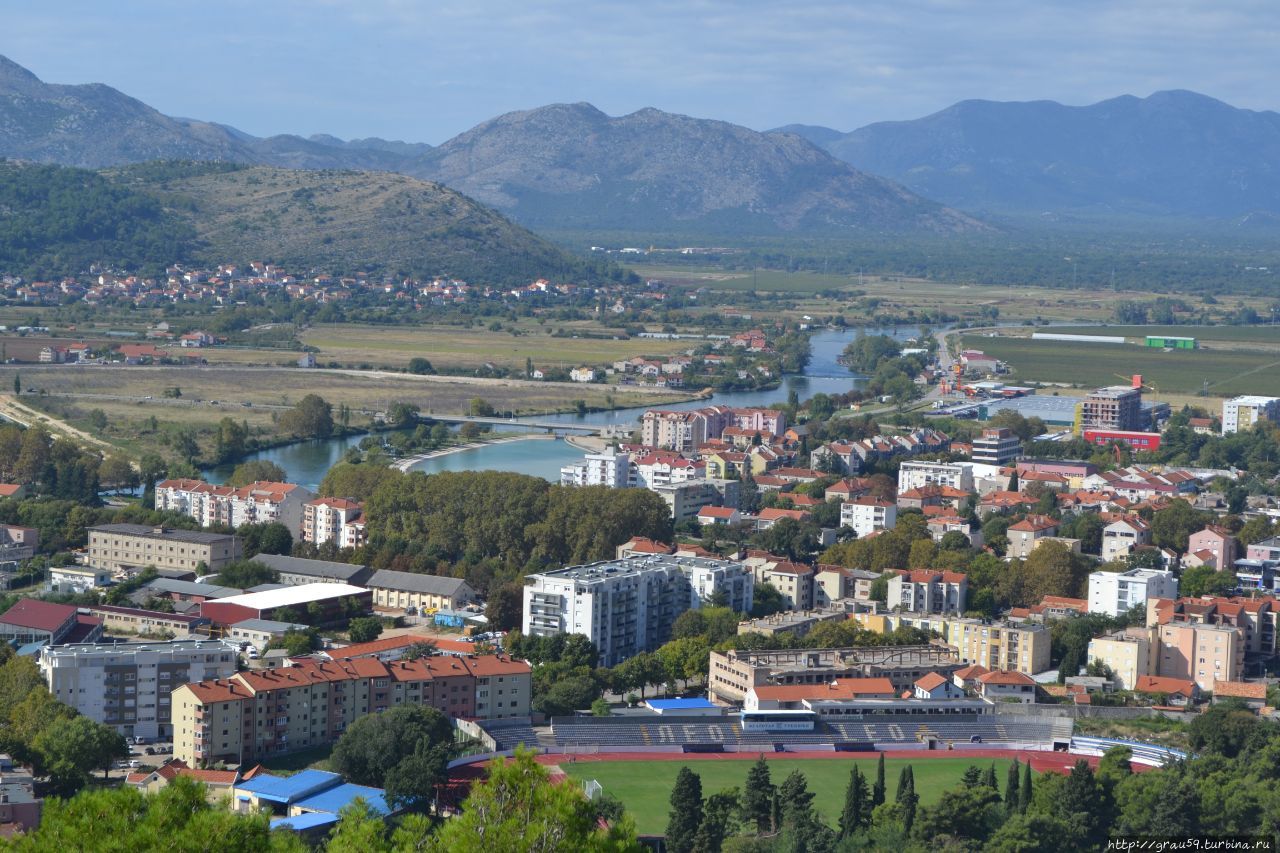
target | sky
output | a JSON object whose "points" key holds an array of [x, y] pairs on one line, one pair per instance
{"points": [[426, 70]]}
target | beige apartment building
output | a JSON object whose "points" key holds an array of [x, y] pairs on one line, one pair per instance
{"points": [[1201, 653], [130, 547], [1023, 647], [1130, 654], [257, 714]]}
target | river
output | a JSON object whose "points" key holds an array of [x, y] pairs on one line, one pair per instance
{"points": [[306, 463]]}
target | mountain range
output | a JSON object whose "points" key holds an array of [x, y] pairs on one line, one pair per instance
{"points": [[571, 167], [1175, 153], [561, 166]]}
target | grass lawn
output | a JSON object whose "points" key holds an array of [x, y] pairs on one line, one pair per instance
{"points": [[455, 346], [645, 786], [296, 762], [1226, 372]]}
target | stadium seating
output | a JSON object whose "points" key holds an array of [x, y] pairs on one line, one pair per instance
{"points": [[619, 733], [508, 734]]}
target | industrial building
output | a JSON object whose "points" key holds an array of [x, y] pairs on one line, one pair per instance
{"points": [[131, 547], [316, 604]]}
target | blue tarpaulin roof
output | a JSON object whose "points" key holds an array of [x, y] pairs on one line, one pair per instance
{"points": [[336, 799], [679, 704], [287, 789], [304, 821]]}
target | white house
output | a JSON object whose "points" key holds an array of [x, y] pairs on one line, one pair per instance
{"points": [[867, 514]]}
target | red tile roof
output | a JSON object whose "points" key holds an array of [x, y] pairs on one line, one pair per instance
{"points": [[1007, 677], [1164, 684], [930, 681], [1240, 689]]}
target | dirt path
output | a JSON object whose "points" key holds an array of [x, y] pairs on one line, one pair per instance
{"points": [[18, 412]]}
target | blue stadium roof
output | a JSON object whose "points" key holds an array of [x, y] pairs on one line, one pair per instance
{"points": [[301, 822], [679, 704], [287, 789], [336, 799]]}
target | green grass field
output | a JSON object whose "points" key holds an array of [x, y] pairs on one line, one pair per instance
{"points": [[1225, 334], [1226, 372], [644, 787]]}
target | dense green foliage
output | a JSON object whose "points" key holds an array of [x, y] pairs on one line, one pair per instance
{"points": [[56, 220], [405, 749]]}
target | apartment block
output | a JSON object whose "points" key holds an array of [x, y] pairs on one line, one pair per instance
{"points": [[131, 547], [336, 520], [995, 645], [627, 606], [254, 715], [865, 515], [915, 474], [1239, 414], [1118, 407], [606, 468], [1202, 653], [996, 446], [127, 685], [257, 503], [833, 583], [1130, 654], [1027, 534], [1116, 593], [927, 591]]}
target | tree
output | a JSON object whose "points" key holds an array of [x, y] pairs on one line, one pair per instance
{"points": [[857, 813], [972, 777], [312, 417], [420, 649], [719, 816], [1205, 580], [518, 809], [1011, 795], [243, 574], [906, 797], [256, 470], [230, 442], [795, 798], [297, 642], [420, 366], [989, 778], [364, 629], [374, 745], [71, 747], [1173, 525], [878, 788], [601, 708], [505, 607], [1024, 789], [685, 816], [480, 408], [757, 797], [963, 816], [17, 385]]}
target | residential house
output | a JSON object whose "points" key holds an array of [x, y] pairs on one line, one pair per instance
{"points": [[867, 514], [1122, 536], [1214, 546], [936, 686], [1027, 534], [1007, 686]]}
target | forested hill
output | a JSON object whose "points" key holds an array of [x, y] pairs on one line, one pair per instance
{"points": [[57, 221]]}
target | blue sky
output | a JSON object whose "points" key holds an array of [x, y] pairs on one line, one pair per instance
{"points": [[424, 70]]}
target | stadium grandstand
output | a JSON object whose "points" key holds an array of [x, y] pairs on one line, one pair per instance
{"points": [[882, 729]]}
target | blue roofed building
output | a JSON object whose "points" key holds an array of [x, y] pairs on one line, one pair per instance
{"points": [[278, 793], [684, 707], [311, 824], [335, 799]]}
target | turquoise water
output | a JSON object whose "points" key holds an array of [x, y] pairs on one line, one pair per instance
{"points": [[308, 462]]}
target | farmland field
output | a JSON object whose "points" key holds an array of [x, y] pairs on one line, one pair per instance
{"points": [[644, 787], [456, 346], [1264, 335], [1220, 372]]}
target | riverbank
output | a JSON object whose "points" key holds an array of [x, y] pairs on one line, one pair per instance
{"points": [[586, 443], [409, 461]]}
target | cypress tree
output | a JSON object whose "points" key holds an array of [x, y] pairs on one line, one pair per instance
{"points": [[989, 778], [855, 813], [878, 789], [1011, 797], [686, 812], [1024, 790], [907, 799], [758, 797], [795, 800]]}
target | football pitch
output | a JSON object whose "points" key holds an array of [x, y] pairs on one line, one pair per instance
{"points": [[644, 787]]}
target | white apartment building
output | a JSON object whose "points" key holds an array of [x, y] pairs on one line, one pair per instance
{"points": [[1119, 538], [332, 520], [598, 469], [257, 503], [867, 514], [628, 606], [918, 474], [1116, 593], [1239, 414], [927, 591], [127, 685]]}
